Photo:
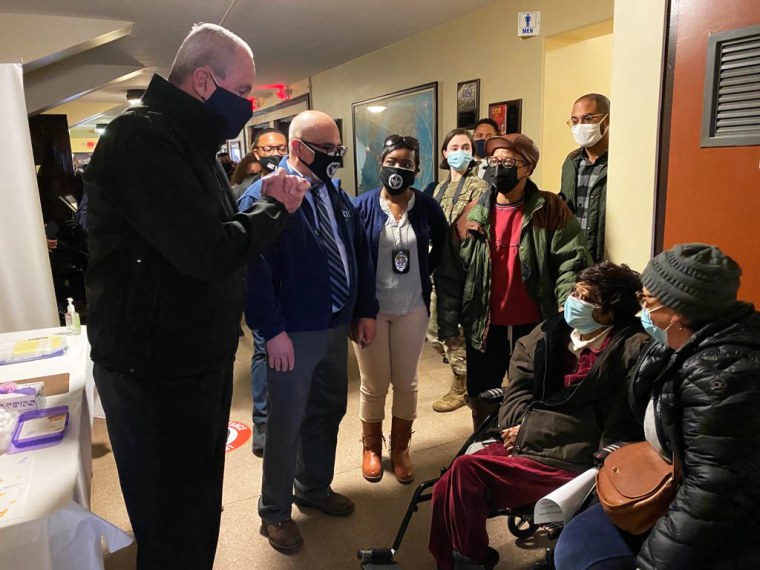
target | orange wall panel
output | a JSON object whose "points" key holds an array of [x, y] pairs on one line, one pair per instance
{"points": [[713, 194]]}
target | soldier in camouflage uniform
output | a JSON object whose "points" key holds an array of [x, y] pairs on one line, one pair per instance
{"points": [[459, 188]]}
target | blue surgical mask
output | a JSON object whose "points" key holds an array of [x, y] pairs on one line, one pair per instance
{"points": [[658, 334], [235, 110], [459, 159], [579, 315]]}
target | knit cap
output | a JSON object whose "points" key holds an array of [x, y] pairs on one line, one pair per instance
{"points": [[694, 279]]}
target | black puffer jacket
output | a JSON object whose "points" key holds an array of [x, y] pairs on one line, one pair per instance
{"points": [[707, 395]]}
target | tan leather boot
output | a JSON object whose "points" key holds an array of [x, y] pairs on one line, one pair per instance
{"points": [[372, 454], [401, 435]]}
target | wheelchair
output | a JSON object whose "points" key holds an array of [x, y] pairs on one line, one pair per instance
{"points": [[519, 520]]}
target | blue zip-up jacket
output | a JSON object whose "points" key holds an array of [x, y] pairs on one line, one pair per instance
{"points": [[289, 285], [429, 224]]}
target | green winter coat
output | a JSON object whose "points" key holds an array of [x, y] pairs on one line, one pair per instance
{"points": [[597, 205], [551, 256]]}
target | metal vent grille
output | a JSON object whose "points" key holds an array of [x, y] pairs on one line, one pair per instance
{"points": [[732, 89]]}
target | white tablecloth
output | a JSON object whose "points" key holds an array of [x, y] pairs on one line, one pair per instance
{"points": [[50, 526]]}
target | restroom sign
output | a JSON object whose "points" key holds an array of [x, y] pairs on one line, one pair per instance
{"points": [[528, 23]]}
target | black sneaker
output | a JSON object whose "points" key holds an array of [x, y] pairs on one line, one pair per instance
{"points": [[259, 439]]}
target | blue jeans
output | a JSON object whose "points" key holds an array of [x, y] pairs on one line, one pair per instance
{"points": [[591, 542], [259, 378]]}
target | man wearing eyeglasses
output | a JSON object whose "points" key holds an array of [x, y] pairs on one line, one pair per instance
{"points": [[305, 294], [515, 254], [584, 172]]}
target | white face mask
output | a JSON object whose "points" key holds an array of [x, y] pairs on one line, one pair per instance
{"points": [[587, 134]]}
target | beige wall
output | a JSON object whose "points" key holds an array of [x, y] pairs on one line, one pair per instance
{"points": [[573, 66], [636, 79], [481, 44]]}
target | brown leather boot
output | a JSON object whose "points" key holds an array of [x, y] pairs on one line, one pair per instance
{"points": [[480, 411], [372, 454], [401, 435]]}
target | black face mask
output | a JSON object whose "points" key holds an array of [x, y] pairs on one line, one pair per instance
{"points": [[234, 110], [480, 148], [269, 164], [502, 178], [396, 180], [323, 166]]}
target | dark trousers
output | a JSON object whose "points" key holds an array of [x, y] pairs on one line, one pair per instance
{"points": [[486, 370], [169, 438], [306, 406], [591, 542]]}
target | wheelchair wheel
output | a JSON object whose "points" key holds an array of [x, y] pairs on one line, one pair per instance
{"points": [[521, 526]]}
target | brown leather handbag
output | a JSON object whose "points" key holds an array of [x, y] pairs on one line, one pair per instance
{"points": [[636, 486]]}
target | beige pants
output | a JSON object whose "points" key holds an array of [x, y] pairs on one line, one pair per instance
{"points": [[392, 358]]}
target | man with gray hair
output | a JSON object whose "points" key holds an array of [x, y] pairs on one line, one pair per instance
{"points": [[309, 291], [166, 289]]}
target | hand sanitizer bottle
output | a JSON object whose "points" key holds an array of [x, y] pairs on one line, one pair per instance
{"points": [[73, 326]]}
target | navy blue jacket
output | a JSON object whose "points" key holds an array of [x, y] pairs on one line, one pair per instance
{"points": [[289, 285], [429, 224]]}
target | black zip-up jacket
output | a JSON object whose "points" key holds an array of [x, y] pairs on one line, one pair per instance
{"points": [[707, 396], [165, 284], [564, 427]]}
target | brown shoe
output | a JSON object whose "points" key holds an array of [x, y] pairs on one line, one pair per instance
{"points": [[334, 504], [372, 444], [401, 436], [454, 398], [283, 536]]}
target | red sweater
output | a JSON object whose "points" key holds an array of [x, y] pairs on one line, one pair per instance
{"points": [[510, 302]]}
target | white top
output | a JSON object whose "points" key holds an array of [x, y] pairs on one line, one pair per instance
{"points": [[398, 293], [650, 430]]}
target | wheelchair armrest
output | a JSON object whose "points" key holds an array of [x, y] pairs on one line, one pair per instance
{"points": [[492, 396]]}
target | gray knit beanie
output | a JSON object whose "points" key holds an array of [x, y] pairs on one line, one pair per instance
{"points": [[694, 279]]}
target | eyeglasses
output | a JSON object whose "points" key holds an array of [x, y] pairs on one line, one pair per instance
{"points": [[582, 297], [505, 162], [328, 149], [587, 118], [280, 148], [396, 140], [584, 292], [645, 300]]}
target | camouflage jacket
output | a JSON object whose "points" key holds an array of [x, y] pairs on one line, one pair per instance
{"points": [[472, 189]]}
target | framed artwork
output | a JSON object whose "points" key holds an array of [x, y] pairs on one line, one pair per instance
{"points": [[508, 115], [468, 103], [234, 150], [411, 112]]}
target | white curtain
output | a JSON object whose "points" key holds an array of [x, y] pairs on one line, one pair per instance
{"points": [[27, 299]]}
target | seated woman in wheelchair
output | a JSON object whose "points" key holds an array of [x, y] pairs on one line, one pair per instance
{"points": [[566, 399], [697, 392]]}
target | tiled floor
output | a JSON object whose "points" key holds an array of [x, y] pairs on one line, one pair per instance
{"points": [[331, 543]]}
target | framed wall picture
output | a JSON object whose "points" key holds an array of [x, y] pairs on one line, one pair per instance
{"points": [[411, 112], [468, 103], [508, 115]]}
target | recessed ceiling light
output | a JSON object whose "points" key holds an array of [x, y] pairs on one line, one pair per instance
{"points": [[376, 108]]}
